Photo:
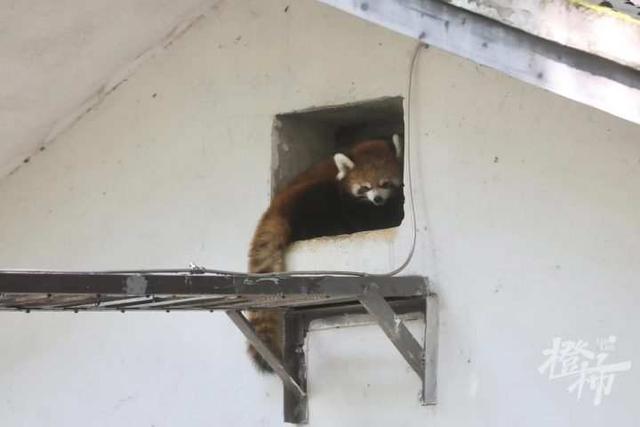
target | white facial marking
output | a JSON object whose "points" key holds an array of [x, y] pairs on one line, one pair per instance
{"points": [[378, 196], [344, 164], [360, 189], [396, 144]]}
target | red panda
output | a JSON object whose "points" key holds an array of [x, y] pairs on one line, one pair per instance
{"points": [[358, 190]]}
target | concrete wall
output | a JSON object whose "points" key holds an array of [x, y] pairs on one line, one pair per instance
{"points": [[528, 225], [60, 58]]}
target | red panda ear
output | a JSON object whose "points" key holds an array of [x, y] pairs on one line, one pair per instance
{"points": [[344, 164], [397, 145]]}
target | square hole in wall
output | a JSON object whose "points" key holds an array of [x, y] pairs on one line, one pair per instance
{"points": [[300, 139]]}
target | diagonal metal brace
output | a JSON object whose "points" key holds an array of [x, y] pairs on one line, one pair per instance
{"points": [[274, 361], [394, 328]]}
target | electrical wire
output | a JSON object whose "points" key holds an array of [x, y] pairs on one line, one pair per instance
{"points": [[414, 223], [195, 269]]}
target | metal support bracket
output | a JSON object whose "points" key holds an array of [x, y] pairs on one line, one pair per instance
{"points": [[274, 361], [292, 367], [431, 325], [296, 409], [338, 300], [422, 359], [394, 328]]}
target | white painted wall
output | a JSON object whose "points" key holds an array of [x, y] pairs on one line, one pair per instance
{"points": [[528, 221], [59, 58]]}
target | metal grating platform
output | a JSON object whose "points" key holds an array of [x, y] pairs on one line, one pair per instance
{"points": [[87, 291], [302, 298]]}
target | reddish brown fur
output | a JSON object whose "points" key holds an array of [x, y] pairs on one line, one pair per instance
{"points": [[274, 231], [373, 163]]}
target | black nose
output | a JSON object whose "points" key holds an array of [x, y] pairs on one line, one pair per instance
{"points": [[378, 199]]}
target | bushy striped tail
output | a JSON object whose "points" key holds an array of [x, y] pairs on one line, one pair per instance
{"points": [[267, 256]]}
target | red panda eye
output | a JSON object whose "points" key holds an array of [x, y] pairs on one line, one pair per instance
{"points": [[386, 184], [363, 189]]}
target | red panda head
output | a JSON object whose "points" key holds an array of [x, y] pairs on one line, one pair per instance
{"points": [[371, 171]]}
